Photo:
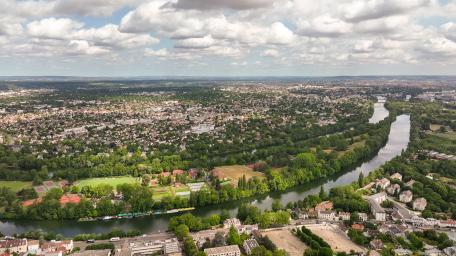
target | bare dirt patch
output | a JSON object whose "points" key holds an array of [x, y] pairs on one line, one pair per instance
{"points": [[285, 240], [235, 172], [335, 237]]}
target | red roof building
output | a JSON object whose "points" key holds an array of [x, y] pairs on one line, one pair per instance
{"points": [[193, 173], [359, 227], [165, 174], [178, 172]]}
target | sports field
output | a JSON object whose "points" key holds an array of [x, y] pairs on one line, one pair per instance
{"points": [[113, 181], [285, 240], [15, 185], [335, 237]]}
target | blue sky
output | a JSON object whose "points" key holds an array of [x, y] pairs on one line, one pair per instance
{"points": [[227, 37]]}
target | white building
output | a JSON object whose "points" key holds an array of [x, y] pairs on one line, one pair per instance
{"points": [[406, 196], [419, 204], [230, 250], [379, 197], [374, 202], [362, 216], [393, 189], [396, 176], [383, 183], [171, 247], [248, 229], [344, 215], [327, 215], [231, 222]]}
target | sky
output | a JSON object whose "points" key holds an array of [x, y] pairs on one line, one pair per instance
{"points": [[227, 37]]}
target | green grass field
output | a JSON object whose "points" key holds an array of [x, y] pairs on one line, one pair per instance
{"points": [[162, 191], [113, 181], [15, 185]]}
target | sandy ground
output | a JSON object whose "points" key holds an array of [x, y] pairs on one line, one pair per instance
{"points": [[235, 172], [284, 239], [335, 237]]}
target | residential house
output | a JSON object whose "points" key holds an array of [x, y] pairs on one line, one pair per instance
{"points": [[231, 222], [396, 176], [247, 229], [357, 226], [402, 252], [202, 236], [324, 206], [447, 223], [327, 215], [379, 197], [58, 246], [419, 204], [449, 251], [230, 250], [13, 246], [171, 248], [344, 215], [362, 216], [376, 244], [249, 245], [433, 252], [177, 172], [383, 183], [409, 183], [33, 246], [393, 189], [374, 202], [406, 196]]}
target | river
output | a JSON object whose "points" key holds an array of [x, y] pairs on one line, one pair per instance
{"points": [[397, 141]]}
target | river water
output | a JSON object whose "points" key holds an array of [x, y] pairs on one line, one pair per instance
{"points": [[397, 141]]}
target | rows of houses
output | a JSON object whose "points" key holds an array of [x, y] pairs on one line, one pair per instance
{"points": [[10, 246]]}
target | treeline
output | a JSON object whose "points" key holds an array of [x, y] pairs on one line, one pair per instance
{"points": [[249, 214], [304, 168], [318, 247], [105, 236]]}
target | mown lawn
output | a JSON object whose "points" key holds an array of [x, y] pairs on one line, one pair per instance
{"points": [[15, 185], [113, 181]]}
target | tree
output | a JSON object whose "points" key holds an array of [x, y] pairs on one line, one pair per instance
{"points": [[276, 205], [233, 237], [146, 178], [361, 180], [190, 248], [224, 215], [323, 196], [181, 231]]}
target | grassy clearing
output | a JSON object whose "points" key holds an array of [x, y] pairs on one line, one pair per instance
{"points": [[15, 185], [235, 172], [113, 181], [162, 191], [447, 135]]}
